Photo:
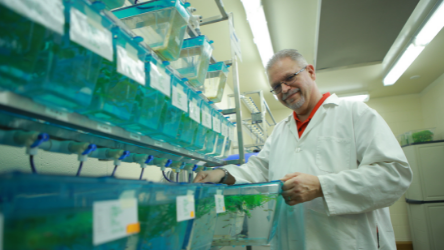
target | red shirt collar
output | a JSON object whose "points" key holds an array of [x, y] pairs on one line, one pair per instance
{"points": [[324, 96]]}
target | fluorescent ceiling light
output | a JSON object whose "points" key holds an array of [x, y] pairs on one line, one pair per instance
{"points": [[359, 98], [407, 58], [259, 28], [430, 29]]}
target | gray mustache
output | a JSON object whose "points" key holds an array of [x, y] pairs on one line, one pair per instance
{"points": [[284, 97]]}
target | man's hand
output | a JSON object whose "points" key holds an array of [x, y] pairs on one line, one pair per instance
{"points": [[209, 176], [299, 187]]}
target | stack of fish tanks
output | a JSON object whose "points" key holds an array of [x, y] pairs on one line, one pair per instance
{"points": [[80, 59]]}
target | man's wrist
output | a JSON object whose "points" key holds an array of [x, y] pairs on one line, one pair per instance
{"points": [[222, 180]]}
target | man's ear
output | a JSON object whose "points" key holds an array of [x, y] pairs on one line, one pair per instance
{"points": [[311, 71]]}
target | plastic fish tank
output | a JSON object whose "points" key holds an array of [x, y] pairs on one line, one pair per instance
{"points": [[24, 37], [215, 81], [72, 70], [119, 81], [56, 212], [189, 122], [251, 216], [205, 136], [111, 4], [420, 135], [172, 110], [162, 23], [159, 228], [220, 135], [194, 60], [206, 217], [290, 231], [150, 100], [230, 127]]}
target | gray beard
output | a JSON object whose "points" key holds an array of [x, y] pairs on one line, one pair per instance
{"points": [[298, 104]]}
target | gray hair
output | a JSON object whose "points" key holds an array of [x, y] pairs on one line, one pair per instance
{"points": [[290, 53]]}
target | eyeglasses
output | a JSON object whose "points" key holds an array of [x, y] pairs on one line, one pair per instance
{"points": [[278, 88]]}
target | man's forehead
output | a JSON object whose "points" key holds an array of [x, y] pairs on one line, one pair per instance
{"points": [[281, 68]]}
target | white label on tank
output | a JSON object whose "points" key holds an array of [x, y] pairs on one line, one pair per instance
{"points": [[216, 124], [180, 99], [90, 34], [220, 203], [135, 136], [60, 115], [206, 119], [114, 219], [194, 111], [1, 230], [159, 81], [104, 128], [48, 13], [130, 66], [185, 206], [224, 130]]}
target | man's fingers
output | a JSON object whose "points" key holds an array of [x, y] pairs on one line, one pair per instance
{"points": [[289, 184], [290, 176], [200, 177]]}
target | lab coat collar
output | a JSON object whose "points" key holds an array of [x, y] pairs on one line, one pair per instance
{"points": [[332, 99], [318, 116]]}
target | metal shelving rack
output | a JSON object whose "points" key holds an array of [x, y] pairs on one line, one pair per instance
{"points": [[258, 124]]}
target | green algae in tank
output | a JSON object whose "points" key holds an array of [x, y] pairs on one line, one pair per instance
{"points": [[422, 136], [21, 42], [53, 230], [240, 209], [159, 228]]}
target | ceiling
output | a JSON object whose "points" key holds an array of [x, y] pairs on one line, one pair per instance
{"points": [[352, 43]]}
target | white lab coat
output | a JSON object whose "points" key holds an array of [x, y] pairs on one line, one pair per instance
{"points": [[361, 168]]}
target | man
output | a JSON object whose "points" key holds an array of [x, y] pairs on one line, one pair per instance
{"points": [[338, 159]]}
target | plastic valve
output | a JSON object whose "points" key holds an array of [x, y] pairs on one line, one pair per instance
{"points": [[149, 159]]}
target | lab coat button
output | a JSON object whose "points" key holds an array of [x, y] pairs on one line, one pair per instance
{"points": [[298, 150]]}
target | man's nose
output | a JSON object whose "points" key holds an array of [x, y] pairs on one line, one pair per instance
{"points": [[285, 87]]}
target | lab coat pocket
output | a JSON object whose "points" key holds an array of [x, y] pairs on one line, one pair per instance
{"points": [[335, 232], [333, 154]]}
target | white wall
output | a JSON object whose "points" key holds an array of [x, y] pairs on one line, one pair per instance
{"points": [[432, 103], [402, 113]]}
